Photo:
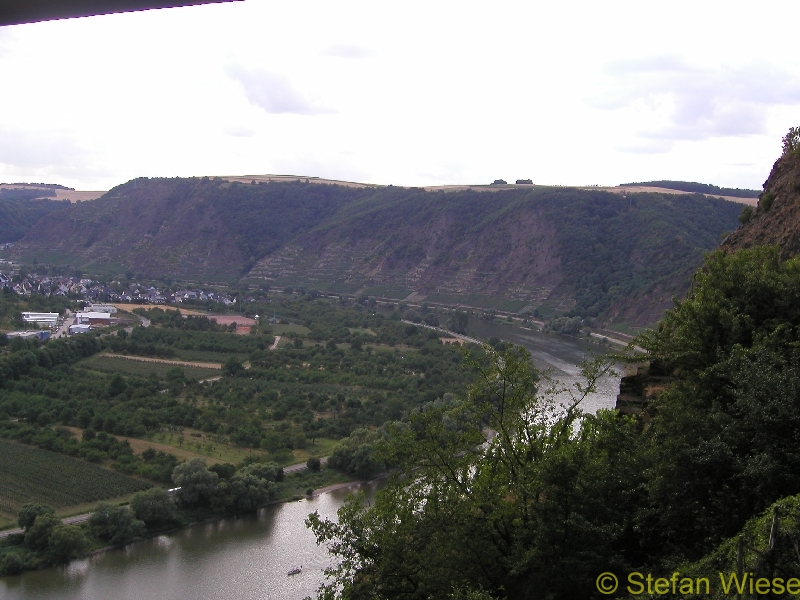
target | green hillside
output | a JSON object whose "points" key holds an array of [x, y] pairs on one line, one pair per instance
{"points": [[548, 249]]}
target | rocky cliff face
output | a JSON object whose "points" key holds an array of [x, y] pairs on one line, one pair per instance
{"points": [[776, 220]]}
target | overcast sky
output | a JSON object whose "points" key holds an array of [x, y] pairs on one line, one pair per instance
{"points": [[408, 93]]}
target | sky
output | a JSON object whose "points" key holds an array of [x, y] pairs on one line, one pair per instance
{"points": [[404, 93]]}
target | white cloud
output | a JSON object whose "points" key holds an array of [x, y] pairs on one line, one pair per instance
{"points": [[274, 93], [348, 51], [681, 101]]}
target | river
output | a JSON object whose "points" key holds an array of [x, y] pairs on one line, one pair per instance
{"points": [[249, 557], [243, 558]]}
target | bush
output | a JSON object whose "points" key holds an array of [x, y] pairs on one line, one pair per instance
{"points": [[313, 464]]}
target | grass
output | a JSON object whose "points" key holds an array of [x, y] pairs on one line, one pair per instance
{"points": [[321, 447], [29, 474], [201, 444], [296, 484], [361, 330], [284, 328], [625, 328], [107, 364]]}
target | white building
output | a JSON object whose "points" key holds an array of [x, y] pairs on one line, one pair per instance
{"points": [[92, 318], [105, 308], [49, 319]]}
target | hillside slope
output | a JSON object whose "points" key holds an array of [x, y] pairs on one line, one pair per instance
{"points": [[555, 250], [19, 213], [776, 220]]}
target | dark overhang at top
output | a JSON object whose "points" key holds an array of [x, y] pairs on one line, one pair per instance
{"points": [[16, 12]]}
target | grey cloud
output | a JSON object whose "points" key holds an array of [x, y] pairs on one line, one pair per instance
{"points": [[348, 51], [704, 103], [274, 93]]}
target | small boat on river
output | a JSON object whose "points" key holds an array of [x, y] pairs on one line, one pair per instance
{"points": [[296, 570]]}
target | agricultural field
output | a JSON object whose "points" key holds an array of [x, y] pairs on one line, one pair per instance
{"points": [[29, 474], [127, 366]]}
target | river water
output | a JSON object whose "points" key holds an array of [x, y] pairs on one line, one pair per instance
{"points": [[249, 557]]}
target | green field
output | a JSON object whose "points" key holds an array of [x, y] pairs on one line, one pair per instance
{"points": [[284, 328], [126, 366], [209, 356], [29, 474]]}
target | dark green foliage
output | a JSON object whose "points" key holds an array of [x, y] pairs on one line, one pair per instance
{"points": [[313, 464], [565, 325], [38, 534], [356, 455], [19, 211], [197, 484], [457, 321], [698, 188], [29, 511], [724, 443], [769, 548], [65, 543], [115, 524], [223, 470], [615, 247], [791, 141], [508, 516], [766, 201], [155, 507], [746, 216]]}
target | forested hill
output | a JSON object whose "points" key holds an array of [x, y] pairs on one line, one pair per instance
{"points": [[19, 211], [696, 188], [554, 250]]}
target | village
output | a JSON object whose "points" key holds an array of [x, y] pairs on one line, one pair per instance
{"points": [[98, 299]]}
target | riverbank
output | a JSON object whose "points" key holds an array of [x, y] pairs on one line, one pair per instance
{"points": [[294, 487]]}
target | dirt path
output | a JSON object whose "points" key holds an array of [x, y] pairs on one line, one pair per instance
{"points": [[165, 361], [275, 343]]}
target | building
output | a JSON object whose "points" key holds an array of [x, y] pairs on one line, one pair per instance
{"points": [[105, 308], [42, 335], [94, 318], [73, 329], [48, 319]]}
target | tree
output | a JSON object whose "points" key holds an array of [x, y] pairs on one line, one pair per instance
{"points": [[471, 515], [232, 367], [38, 534], [28, 513], [197, 484], [791, 141], [65, 543], [154, 507], [313, 464], [458, 321], [722, 441], [115, 524], [746, 216]]}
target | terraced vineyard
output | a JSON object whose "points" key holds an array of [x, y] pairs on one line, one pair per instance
{"points": [[30, 474]]}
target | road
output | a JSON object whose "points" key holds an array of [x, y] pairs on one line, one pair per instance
{"points": [[63, 331]]}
